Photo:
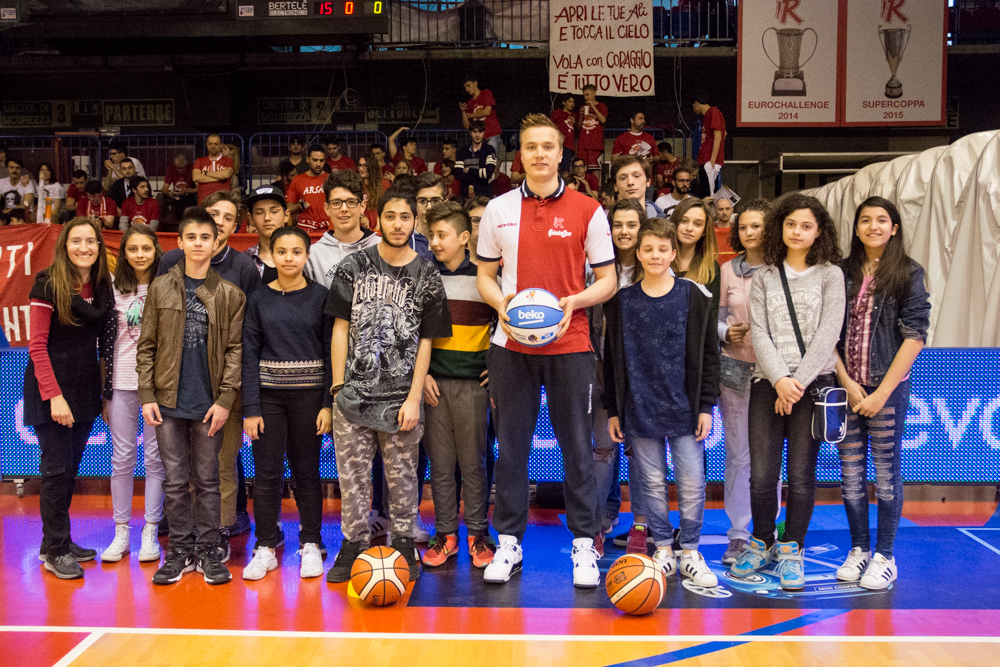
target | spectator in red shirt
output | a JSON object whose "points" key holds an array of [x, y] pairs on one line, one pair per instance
{"points": [[378, 153], [565, 120], [140, 208], [336, 160], [97, 205], [635, 141], [711, 154], [484, 107], [723, 226], [75, 193], [501, 184], [305, 194], [665, 168], [517, 169], [451, 184], [591, 119], [214, 171], [583, 181], [448, 151], [408, 152], [286, 172]]}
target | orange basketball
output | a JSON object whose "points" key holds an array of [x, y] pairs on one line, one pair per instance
{"points": [[379, 576], [635, 584]]}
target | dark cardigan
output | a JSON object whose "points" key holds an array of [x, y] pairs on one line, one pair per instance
{"points": [[701, 356], [73, 353]]}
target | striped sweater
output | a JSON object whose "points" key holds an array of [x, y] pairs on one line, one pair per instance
{"points": [[464, 354]]}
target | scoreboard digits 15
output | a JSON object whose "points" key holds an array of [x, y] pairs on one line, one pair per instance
{"points": [[348, 8]]}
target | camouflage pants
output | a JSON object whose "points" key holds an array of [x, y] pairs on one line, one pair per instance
{"points": [[355, 446]]}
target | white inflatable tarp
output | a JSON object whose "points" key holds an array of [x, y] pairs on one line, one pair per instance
{"points": [[885, 181], [912, 187], [930, 234], [968, 314]]}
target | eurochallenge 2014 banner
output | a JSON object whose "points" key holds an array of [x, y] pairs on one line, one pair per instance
{"points": [[607, 44], [815, 63]]}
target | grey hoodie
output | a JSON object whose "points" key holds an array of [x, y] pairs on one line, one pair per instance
{"points": [[326, 253]]}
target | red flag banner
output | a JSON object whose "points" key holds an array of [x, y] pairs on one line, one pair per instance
{"points": [[24, 251]]}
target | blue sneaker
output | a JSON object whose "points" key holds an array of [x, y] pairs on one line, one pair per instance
{"points": [[756, 556], [790, 566]]}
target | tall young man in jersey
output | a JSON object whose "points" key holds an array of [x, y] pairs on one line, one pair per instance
{"points": [[544, 233]]}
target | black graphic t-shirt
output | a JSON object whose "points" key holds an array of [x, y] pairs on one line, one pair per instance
{"points": [[194, 391], [390, 309]]}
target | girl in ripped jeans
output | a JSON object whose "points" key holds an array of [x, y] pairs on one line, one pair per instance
{"points": [[884, 330]]}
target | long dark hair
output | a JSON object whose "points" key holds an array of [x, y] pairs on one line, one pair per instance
{"points": [[63, 276], [894, 270], [126, 282], [625, 205], [824, 249]]}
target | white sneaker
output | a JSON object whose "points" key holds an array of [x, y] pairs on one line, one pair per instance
{"points": [[506, 561], [694, 567], [378, 525], [666, 559], [263, 562], [880, 573], [585, 557], [150, 549], [854, 566], [119, 546], [311, 564], [422, 534]]}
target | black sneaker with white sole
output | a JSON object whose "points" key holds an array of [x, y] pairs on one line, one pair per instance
{"points": [[81, 554], [341, 570], [407, 547], [175, 566], [64, 567], [211, 566]]}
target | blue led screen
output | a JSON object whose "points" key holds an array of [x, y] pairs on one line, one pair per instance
{"points": [[952, 432]]}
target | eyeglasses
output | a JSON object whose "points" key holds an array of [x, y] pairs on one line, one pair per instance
{"points": [[423, 201], [76, 243], [340, 203]]}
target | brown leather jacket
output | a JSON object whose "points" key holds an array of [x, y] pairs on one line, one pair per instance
{"points": [[158, 354]]}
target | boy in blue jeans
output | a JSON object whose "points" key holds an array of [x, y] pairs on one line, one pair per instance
{"points": [[661, 374]]}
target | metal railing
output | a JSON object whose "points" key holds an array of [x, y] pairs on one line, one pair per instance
{"points": [[157, 152], [525, 23], [266, 150], [65, 153]]}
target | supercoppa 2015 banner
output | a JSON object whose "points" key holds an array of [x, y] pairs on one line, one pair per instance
{"points": [[606, 44]]}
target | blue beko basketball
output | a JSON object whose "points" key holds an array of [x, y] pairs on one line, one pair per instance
{"points": [[534, 317]]}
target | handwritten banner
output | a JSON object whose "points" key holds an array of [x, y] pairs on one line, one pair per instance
{"points": [[604, 44]]}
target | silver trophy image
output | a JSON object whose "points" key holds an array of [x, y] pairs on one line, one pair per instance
{"points": [[789, 80], [894, 41]]}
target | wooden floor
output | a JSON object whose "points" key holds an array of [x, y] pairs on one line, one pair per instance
{"points": [[115, 616]]}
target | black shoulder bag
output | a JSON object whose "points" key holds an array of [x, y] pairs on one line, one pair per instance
{"points": [[829, 422]]}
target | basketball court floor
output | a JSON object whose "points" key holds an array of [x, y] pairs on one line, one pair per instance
{"points": [[943, 610]]}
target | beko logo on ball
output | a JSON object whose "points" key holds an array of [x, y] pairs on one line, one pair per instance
{"points": [[530, 316]]}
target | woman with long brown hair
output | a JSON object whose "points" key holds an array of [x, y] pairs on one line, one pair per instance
{"points": [[70, 302], [375, 185], [696, 246]]}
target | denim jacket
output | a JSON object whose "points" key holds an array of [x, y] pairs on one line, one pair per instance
{"points": [[892, 323]]}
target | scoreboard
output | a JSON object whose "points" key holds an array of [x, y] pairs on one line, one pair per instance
{"points": [[101, 19]]}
